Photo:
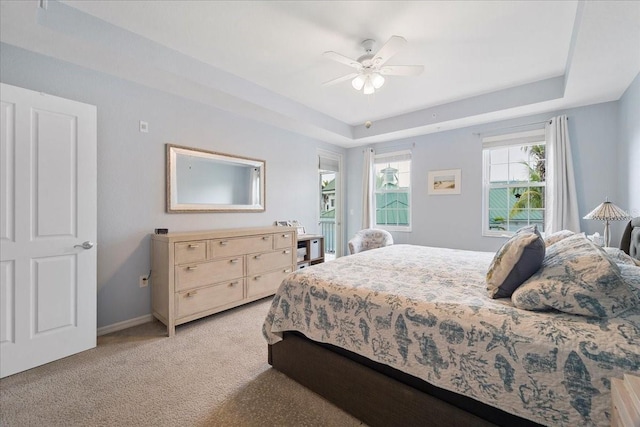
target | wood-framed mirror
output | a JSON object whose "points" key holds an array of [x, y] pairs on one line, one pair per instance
{"points": [[207, 181]]}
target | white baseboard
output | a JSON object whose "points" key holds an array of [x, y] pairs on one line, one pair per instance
{"points": [[125, 324]]}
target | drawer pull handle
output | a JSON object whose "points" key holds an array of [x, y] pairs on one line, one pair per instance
{"points": [[223, 243], [232, 284], [192, 267], [287, 271], [286, 236], [234, 261], [286, 251], [191, 293], [265, 237], [193, 246], [258, 256], [257, 278]]}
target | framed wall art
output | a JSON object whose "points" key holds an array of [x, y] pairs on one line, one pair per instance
{"points": [[444, 182]]}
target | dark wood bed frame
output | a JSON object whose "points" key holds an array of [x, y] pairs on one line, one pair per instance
{"points": [[377, 394]]}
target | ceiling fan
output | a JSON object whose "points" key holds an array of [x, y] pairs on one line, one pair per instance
{"points": [[370, 68]]}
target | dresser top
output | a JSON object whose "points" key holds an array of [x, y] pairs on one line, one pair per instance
{"points": [[221, 233], [302, 237]]}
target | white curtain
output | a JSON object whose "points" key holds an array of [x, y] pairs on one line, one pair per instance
{"points": [[561, 198], [368, 185]]}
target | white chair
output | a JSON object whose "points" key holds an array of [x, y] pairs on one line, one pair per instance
{"points": [[369, 238]]}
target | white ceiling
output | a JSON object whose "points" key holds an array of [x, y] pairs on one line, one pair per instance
{"points": [[484, 60]]}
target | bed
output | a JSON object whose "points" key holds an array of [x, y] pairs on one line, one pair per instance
{"points": [[407, 335]]}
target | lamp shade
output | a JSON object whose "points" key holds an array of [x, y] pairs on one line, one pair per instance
{"points": [[368, 86], [377, 80], [607, 211], [358, 82]]}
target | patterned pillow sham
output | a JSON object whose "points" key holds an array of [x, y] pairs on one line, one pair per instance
{"points": [[557, 236], [515, 262], [631, 275], [576, 277], [620, 257]]}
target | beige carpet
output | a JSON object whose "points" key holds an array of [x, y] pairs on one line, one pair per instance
{"points": [[214, 372]]}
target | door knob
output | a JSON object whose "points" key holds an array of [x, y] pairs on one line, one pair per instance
{"points": [[85, 245]]}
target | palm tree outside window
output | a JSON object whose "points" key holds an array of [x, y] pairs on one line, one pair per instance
{"points": [[514, 178]]}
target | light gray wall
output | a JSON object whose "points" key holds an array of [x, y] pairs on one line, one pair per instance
{"points": [[131, 199], [456, 220], [131, 168], [629, 160]]}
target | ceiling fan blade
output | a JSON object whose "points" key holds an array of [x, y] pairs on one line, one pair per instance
{"points": [[343, 59], [340, 79], [389, 49], [402, 70]]}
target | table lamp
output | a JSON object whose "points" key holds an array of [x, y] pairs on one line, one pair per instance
{"points": [[606, 212]]}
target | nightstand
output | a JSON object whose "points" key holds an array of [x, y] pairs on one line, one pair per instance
{"points": [[625, 400]]}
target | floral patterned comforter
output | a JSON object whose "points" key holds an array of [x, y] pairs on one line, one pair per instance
{"points": [[425, 311]]}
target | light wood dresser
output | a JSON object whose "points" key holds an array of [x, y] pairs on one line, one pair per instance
{"points": [[196, 274]]}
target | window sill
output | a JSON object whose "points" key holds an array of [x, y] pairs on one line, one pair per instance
{"points": [[394, 229], [505, 234]]}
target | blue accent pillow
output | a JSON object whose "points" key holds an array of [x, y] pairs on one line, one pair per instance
{"points": [[576, 277], [515, 262]]}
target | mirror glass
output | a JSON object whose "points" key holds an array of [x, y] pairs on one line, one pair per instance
{"points": [[206, 181]]}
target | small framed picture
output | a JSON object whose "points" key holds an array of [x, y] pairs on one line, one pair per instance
{"points": [[283, 223], [299, 227], [444, 182]]}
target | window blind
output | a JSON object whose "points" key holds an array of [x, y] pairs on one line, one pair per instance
{"points": [[327, 164], [396, 156], [518, 138]]}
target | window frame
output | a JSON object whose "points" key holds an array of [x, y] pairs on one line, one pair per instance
{"points": [[519, 139], [393, 156]]}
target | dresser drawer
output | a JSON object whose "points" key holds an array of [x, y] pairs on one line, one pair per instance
{"points": [[190, 251], [267, 283], [283, 240], [258, 263], [239, 246], [204, 273], [207, 298]]}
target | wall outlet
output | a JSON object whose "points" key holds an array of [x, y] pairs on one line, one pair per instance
{"points": [[143, 282]]}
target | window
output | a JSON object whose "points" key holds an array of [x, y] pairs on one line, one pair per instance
{"points": [[393, 190], [514, 182]]}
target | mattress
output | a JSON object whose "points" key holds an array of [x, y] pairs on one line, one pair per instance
{"points": [[425, 311]]}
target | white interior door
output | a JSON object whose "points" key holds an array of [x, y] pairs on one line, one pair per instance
{"points": [[48, 210]]}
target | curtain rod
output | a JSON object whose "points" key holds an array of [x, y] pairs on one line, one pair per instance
{"points": [[515, 126]]}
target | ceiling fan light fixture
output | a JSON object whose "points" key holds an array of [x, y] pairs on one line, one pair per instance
{"points": [[358, 82], [369, 88], [377, 80], [370, 68]]}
